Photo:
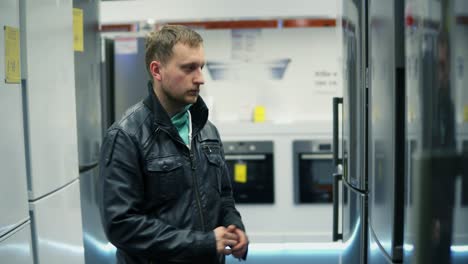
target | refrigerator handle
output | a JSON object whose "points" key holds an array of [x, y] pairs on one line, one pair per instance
{"points": [[336, 102], [89, 166], [336, 178]]}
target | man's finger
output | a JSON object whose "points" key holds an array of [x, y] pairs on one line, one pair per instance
{"points": [[242, 240], [230, 243], [231, 236], [238, 246]]}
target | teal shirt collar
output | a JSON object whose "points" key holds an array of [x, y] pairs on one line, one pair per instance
{"points": [[181, 123]]}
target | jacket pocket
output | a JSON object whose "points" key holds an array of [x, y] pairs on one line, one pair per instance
{"points": [[215, 164], [166, 177]]}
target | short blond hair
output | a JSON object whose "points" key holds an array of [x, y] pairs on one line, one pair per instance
{"points": [[159, 43]]}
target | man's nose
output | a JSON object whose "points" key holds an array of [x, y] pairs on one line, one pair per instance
{"points": [[199, 79]]}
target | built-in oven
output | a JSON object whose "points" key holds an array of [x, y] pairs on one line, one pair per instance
{"points": [[251, 170], [312, 170]]}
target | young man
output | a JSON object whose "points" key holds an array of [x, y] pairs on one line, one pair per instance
{"points": [[166, 195]]}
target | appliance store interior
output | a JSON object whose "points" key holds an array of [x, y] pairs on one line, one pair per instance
{"points": [[344, 126]]}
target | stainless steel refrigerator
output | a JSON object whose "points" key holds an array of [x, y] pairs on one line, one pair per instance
{"points": [[124, 75], [15, 232], [97, 249], [386, 128], [436, 208], [350, 136], [370, 117], [410, 59], [48, 83]]}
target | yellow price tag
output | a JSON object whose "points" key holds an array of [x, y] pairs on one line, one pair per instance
{"points": [[78, 40], [465, 114], [259, 114], [240, 172], [12, 55]]}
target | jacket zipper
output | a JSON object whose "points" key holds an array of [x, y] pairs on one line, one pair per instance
{"points": [[197, 191], [194, 177]]}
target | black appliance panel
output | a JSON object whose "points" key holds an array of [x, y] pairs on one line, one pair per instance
{"points": [[251, 168], [107, 84]]}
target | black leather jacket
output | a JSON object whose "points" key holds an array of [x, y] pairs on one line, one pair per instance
{"points": [[160, 200]]}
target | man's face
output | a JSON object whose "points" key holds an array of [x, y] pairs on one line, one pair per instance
{"points": [[182, 76]]}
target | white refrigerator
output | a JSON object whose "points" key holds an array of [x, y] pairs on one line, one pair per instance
{"points": [[15, 234], [50, 131]]}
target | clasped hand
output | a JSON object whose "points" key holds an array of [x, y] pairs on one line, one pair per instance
{"points": [[231, 240]]}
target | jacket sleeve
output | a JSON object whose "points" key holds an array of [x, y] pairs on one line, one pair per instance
{"points": [[126, 223]]}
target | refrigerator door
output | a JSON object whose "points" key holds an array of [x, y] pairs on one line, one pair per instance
{"points": [[459, 246], [436, 41], [376, 254], [49, 94], [413, 128], [354, 196], [56, 225], [130, 74], [13, 188], [354, 93], [97, 248], [354, 226], [16, 246], [386, 129], [124, 76], [88, 102], [87, 87]]}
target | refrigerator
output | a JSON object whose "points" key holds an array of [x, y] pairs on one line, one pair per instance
{"points": [[124, 75], [386, 131], [15, 234], [410, 59], [436, 208], [87, 61], [49, 113], [369, 133], [459, 244], [350, 136]]}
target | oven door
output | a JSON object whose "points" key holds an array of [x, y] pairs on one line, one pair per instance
{"points": [[251, 177], [315, 182]]}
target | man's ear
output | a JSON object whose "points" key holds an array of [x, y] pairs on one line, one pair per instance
{"points": [[155, 69]]}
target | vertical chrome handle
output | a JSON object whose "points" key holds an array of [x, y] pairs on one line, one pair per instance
{"points": [[336, 102], [336, 178]]}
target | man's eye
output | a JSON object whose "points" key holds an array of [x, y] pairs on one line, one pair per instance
{"points": [[189, 68]]}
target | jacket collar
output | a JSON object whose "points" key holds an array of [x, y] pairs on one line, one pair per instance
{"points": [[198, 111]]}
